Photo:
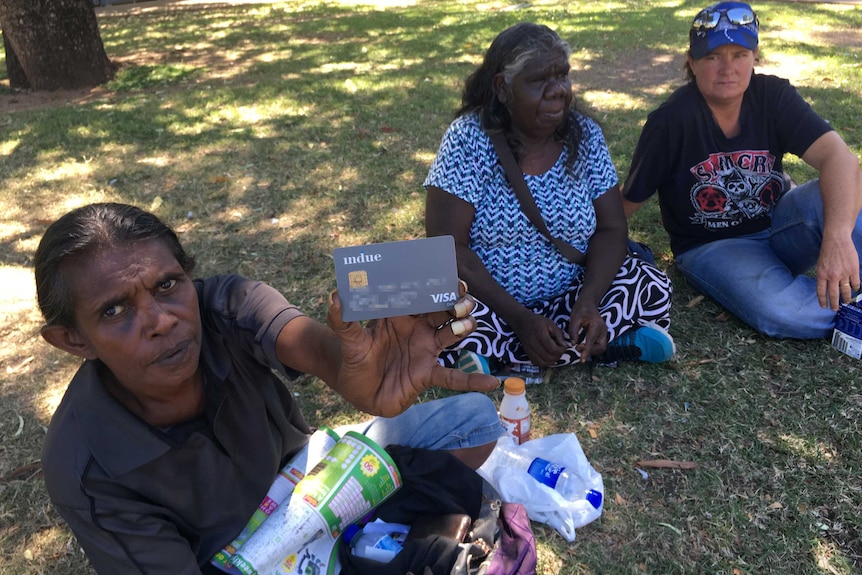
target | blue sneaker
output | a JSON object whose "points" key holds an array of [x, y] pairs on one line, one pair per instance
{"points": [[472, 362], [648, 343]]}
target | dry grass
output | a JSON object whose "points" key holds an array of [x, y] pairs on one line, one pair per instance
{"points": [[270, 134]]}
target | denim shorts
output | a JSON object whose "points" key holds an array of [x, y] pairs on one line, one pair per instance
{"points": [[455, 422]]}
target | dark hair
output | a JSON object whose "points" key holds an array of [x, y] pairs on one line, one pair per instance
{"points": [[82, 232], [510, 52]]}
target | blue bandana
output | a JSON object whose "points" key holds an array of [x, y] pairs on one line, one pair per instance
{"points": [[728, 28]]}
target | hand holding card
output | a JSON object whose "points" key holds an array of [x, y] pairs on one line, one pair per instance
{"points": [[388, 362]]}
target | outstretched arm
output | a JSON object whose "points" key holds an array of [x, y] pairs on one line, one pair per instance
{"points": [[841, 189], [383, 367]]}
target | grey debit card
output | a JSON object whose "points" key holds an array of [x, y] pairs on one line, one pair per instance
{"points": [[396, 278]]}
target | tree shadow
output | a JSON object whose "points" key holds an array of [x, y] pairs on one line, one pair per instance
{"points": [[302, 132]]}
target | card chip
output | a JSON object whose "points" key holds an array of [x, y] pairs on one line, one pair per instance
{"points": [[357, 279]]}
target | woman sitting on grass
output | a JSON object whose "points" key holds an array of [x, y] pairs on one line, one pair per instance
{"points": [[536, 307], [740, 232], [175, 425]]}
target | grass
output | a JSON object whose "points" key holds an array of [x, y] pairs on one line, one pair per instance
{"points": [[270, 134]]}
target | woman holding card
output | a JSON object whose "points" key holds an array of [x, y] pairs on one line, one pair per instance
{"points": [[537, 306], [175, 425]]}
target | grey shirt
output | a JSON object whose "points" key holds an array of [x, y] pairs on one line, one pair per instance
{"points": [[146, 500]]}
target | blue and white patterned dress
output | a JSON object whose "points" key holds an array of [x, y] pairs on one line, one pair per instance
{"points": [[517, 255], [530, 269]]}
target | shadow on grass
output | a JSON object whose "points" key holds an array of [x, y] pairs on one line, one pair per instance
{"points": [[302, 131]]}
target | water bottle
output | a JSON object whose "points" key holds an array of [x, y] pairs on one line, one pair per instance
{"points": [[378, 545], [515, 411], [568, 484], [531, 374]]}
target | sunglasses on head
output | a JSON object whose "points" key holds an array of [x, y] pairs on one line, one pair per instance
{"points": [[710, 18]]}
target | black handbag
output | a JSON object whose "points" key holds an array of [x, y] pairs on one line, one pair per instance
{"points": [[499, 540]]}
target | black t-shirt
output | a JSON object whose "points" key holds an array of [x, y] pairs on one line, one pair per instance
{"points": [[147, 500], [711, 187]]}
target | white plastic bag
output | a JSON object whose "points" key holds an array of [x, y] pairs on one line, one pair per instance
{"points": [[543, 503]]}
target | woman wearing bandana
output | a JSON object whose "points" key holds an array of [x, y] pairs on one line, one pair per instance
{"points": [[740, 230]]}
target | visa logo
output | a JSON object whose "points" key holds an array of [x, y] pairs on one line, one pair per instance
{"points": [[444, 297]]}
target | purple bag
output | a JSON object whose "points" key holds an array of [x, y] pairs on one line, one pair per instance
{"points": [[515, 551]]}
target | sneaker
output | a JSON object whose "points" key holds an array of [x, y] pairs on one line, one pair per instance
{"points": [[648, 343], [472, 362]]}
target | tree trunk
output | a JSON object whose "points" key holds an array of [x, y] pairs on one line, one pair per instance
{"points": [[17, 77], [53, 44]]}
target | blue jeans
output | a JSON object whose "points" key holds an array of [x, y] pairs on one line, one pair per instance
{"points": [[760, 278], [455, 422]]}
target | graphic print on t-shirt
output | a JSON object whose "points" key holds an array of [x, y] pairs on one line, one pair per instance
{"points": [[733, 187]]}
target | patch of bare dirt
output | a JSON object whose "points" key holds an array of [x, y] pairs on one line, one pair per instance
{"points": [[12, 101], [643, 71], [211, 64], [848, 37]]}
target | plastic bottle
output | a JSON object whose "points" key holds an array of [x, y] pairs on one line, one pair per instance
{"points": [[557, 477], [515, 411], [377, 546], [531, 374]]}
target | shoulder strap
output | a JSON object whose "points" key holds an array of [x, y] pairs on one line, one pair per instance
{"points": [[525, 198]]}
